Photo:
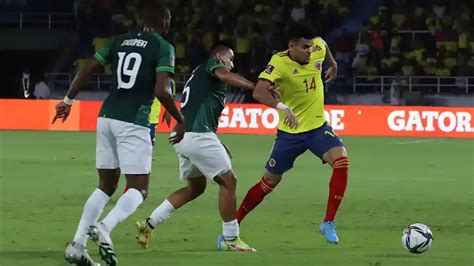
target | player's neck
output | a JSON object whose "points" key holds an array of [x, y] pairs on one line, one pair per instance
{"points": [[292, 59]]}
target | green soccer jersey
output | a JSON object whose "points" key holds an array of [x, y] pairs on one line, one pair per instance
{"points": [[203, 98], [136, 57]]}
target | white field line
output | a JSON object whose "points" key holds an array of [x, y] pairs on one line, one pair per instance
{"points": [[417, 179], [414, 141]]}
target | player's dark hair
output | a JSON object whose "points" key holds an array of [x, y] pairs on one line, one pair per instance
{"points": [[298, 30], [220, 46], [153, 11]]}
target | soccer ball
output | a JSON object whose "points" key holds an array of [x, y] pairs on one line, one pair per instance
{"points": [[417, 238]]}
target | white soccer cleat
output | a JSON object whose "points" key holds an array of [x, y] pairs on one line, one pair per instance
{"points": [[77, 254], [233, 245], [104, 242]]}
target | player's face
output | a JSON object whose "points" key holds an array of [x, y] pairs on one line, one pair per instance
{"points": [[300, 50], [166, 22], [227, 57]]}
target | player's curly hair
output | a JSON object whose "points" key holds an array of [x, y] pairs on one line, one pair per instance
{"points": [[299, 30]]}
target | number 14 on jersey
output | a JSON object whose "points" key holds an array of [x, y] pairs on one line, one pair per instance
{"points": [[310, 86]]}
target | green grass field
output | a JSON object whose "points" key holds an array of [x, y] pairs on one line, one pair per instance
{"points": [[45, 178]]}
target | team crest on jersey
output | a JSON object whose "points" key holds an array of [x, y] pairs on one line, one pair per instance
{"points": [[272, 162], [316, 48], [318, 65], [269, 69]]}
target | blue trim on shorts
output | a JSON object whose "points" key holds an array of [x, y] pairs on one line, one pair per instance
{"points": [[152, 128], [289, 146]]}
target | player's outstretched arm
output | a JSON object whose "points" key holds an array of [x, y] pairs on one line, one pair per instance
{"points": [[331, 73], [164, 96], [82, 77], [262, 93], [232, 79], [63, 108]]}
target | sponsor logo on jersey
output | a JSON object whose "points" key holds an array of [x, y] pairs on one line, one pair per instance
{"points": [[316, 48], [269, 69]]}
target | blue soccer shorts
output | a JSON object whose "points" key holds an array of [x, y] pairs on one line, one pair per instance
{"points": [[289, 146]]}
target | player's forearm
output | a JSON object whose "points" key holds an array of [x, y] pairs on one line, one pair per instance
{"points": [[330, 57], [235, 80], [80, 81], [82, 78], [167, 100], [264, 96]]}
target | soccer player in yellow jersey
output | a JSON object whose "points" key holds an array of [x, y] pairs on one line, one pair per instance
{"points": [[155, 113], [297, 71]]}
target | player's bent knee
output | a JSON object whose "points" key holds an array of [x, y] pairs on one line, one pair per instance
{"points": [[108, 189], [227, 180], [197, 186], [341, 162], [334, 154], [272, 179]]}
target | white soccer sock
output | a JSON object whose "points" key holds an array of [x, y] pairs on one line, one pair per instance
{"points": [[125, 206], [90, 214], [230, 230], [161, 213]]}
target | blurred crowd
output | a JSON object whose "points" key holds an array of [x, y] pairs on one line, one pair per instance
{"points": [[254, 27], [413, 38], [398, 38]]}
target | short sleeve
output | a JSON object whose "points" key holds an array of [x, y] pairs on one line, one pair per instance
{"points": [[273, 70], [103, 55], [166, 58], [318, 49], [213, 64]]}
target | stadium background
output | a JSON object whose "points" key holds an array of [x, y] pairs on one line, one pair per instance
{"points": [[406, 68]]}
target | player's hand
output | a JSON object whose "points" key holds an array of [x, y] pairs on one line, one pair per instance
{"points": [[62, 111], [274, 91], [330, 74], [167, 119], [178, 133], [290, 119]]}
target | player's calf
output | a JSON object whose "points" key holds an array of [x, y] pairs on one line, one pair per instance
{"points": [[256, 194], [337, 186]]}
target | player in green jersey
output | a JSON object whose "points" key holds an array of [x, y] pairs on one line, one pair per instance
{"points": [[143, 62], [201, 155]]}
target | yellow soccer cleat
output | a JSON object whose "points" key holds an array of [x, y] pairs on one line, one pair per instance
{"points": [[144, 232]]}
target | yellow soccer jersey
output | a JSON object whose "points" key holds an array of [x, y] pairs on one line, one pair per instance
{"points": [[301, 87], [156, 106]]}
